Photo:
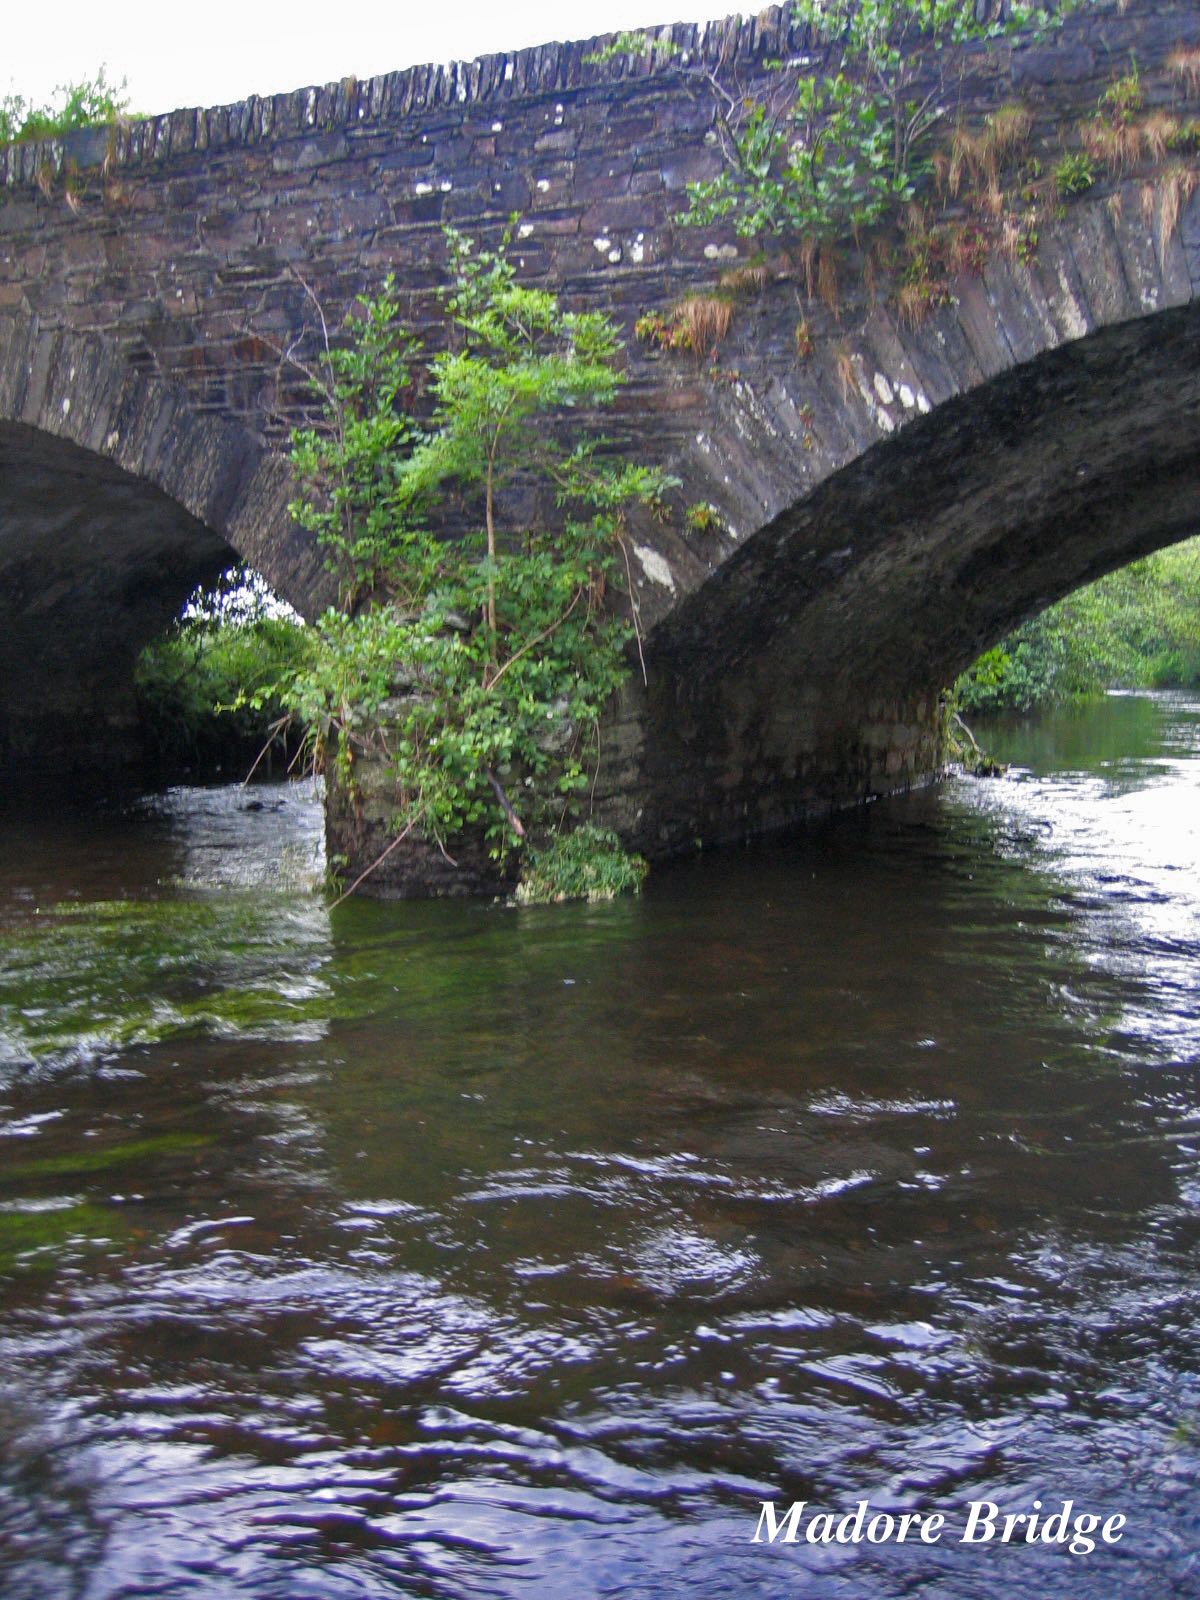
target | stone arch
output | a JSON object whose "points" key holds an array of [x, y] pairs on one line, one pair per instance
{"points": [[116, 498], [913, 494]]}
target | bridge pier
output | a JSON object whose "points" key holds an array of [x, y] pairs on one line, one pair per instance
{"points": [[686, 771], [673, 777]]}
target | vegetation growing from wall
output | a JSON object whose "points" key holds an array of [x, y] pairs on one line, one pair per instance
{"points": [[842, 142], [475, 659], [1136, 628], [76, 105], [863, 148]]}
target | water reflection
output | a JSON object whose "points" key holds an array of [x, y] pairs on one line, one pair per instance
{"points": [[457, 1250]]}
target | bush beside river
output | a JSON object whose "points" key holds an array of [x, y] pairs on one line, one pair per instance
{"points": [[1136, 628]]}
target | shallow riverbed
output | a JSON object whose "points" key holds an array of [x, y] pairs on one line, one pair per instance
{"points": [[462, 1250]]}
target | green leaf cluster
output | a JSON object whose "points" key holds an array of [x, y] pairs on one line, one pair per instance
{"points": [[626, 44], [586, 864], [76, 105], [841, 148], [1075, 173], [474, 654]]}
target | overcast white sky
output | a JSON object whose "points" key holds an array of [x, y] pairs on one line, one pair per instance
{"points": [[175, 55]]}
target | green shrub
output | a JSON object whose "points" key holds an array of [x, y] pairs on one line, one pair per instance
{"points": [[842, 144], [476, 666], [586, 864], [78, 105]]}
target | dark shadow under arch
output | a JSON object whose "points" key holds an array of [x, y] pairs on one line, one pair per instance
{"points": [[93, 563], [116, 500], [806, 672]]}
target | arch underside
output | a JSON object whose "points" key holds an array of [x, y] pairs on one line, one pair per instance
{"points": [[805, 674], [93, 563]]}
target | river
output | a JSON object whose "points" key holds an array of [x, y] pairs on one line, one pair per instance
{"points": [[457, 1250]]}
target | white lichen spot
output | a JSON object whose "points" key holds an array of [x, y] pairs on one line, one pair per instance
{"points": [[66, 406], [720, 252], [445, 186], [1074, 318], [423, 188], [72, 375], [525, 229], [923, 405], [614, 255], [907, 399], [602, 245], [654, 566], [496, 188], [883, 388], [508, 71], [112, 440], [543, 184], [497, 127], [637, 250]]}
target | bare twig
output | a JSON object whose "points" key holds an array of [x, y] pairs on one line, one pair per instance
{"points": [[379, 859], [962, 727], [514, 821], [633, 607], [596, 768], [273, 730], [537, 639]]}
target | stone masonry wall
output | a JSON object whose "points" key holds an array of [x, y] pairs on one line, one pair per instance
{"points": [[194, 249]]}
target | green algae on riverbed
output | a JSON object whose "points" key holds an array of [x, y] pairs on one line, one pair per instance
{"points": [[88, 979], [106, 1159], [34, 1233]]}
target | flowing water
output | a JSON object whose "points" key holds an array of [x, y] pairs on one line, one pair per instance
{"points": [[460, 1250]]}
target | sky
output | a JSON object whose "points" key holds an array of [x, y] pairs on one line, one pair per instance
{"points": [[173, 55]]}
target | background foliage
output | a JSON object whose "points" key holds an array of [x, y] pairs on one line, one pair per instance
{"points": [[196, 683], [1136, 628]]}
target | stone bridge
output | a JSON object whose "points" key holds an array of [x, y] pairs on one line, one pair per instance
{"points": [[885, 505]]}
